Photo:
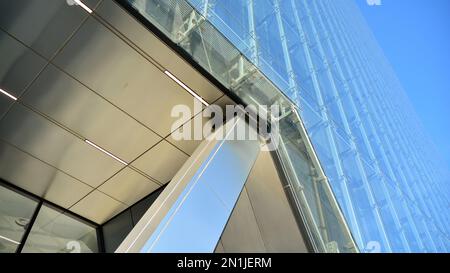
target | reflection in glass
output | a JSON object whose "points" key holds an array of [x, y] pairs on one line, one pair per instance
{"points": [[56, 232], [116, 230], [212, 44], [16, 211]]}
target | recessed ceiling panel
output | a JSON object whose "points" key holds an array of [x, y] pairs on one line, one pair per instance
{"points": [[5, 103], [42, 25], [151, 45], [107, 85], [78, 108], [19, 65], [224, 101], [41, 179], [109, 66], [189, 143], [128, 186], [98, 207], [54, 145], [162, 162]]}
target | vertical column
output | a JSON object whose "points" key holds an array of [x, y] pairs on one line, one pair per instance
{"points": [[192, 211], [287, 57], [253, 37]]}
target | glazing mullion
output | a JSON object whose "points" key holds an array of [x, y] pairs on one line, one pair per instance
{"points": [[359, 122], [330, 136], [387, 141], [343, 116]]}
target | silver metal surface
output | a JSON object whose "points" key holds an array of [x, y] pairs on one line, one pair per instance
{"points": [[108, 65], [35, 176], [102, 86], [129, 186], [43, 26], [263, 220], [242, 233], [5, 104], [151, 45], [98, 207], [190, 214], [54, 145], [19, 65], [162, 162], [70, 103]]}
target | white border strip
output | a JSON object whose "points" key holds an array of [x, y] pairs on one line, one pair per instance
{"points": [[105, 151], [9, 240], [81, 4], [175, 79], [7, 94]]}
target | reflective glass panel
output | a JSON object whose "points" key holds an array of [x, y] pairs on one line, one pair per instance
{"points": [[16, 211], [56, 232]]}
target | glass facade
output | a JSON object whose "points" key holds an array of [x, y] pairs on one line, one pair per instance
{"points": [[31, 225], [115, 230], [56, 232], [323, 58], [15, 212], [208, 47]]}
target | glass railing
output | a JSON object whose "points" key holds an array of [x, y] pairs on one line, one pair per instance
{"points": [[231, 66]]}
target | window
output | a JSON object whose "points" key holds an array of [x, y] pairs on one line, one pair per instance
{"points": [[16, 211], [57, 232]]}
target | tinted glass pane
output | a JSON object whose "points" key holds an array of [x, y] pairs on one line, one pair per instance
{"points": [[115, 231], [15, 213], [141, 207], [56, 232]]}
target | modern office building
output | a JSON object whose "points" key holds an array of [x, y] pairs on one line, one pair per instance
{"points": [[90, 154]]}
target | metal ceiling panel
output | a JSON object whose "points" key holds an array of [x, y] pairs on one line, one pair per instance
{"points": [[162, 162], [157, 50], [103, 85], [224, 101], [98, 207], [39, 178], [43, 26], [54, 145], [106, 64], [188, 145], [5, 103], [128, 186], [18, 66], [68, 102]]}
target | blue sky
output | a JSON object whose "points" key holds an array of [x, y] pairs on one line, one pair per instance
{"points": [[415, 36]]}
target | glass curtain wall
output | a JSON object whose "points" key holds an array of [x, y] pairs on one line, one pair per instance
{"points": [[382, 169], [116, 230], [15, 212], [53, 231], [31, 225], [28, 224], [324, 59], [232, 67]]}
